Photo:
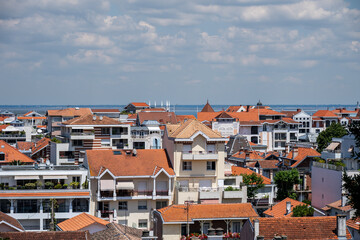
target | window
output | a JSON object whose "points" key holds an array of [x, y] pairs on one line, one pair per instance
{"points": [[236, 227], [105, 131], [254, 140], [187, 166], [123, 206], [264, 127], [254, 130], [105, 142], [210, 165], [142, 205], [77, 130], [228, 182], [206, 227], [78, 143], [187, 148], [2, 156], [161, 204], [211, 148], [183, 230], [142, 223]]}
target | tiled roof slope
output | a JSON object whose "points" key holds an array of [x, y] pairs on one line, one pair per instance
{"points": [[89, 120], [161, 117], [42, 143], [324, 113], [6, 218], [69, 112], [183, 118], [144, 163], [46, 235], [192, 126], [24, 145], [252, 155], [240, 171], [117, 232], [177, 213], [207, 108], [105, 110], [279, 209], [302, 154], [296, 228], [338, 206], [354, 223], [80, 221], [140, 104], [12, 154]]}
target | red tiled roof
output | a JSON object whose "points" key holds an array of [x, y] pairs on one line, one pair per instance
{"points": [[105, 110], [324, 113], [296, 228], [189, 128], [290, 114], [69, 112], [161, 117], [178, 213], [140, 104], [253, 155], [354, 223], [12, 154], [266, 112], [25, 118], [153, 110], [241, 171], [337, 205], [207, 108], [43, 194], [265, 164], [302, 154], [24, 145], [46, 235], [41, 126], [6, 218], [89, 120], [144, 163], [279, 209], [42, 143], [182, 118], [235, 108], [80, 221], [3, 126]]}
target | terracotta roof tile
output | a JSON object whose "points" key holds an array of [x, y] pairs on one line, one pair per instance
{"points": [[302, 154], [183, 118], [24, 145], [266, 164], [324, 113], [12, 154], [177, 213], [161, 117], [354, 223], [296, 228], [241, 171], [279, 209], [25, 118], [140, 104], [69, 112], [153, 110], [89, 120], [266, 112], [337, 205], [207, 108], [117, 232], [80, 221], [11, 220], [48, 235], [191, 127], [252, 155], [100, 110], [143, 164], [42, 143]]}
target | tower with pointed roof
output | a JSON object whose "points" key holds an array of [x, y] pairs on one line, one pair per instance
{"points": [[207, 107]]}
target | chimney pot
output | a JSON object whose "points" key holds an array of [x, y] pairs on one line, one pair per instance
{"points": [[284, 237], [341, 225], [256, 227], [260, 237], [343, 200]]}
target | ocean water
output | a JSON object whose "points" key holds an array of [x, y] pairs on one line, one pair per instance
{"points": [[179, 109]]}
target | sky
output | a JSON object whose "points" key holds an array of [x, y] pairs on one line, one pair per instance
{"points": [[183, 51]]}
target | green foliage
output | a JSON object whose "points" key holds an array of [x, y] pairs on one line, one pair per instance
{"points": [[303, 211], [49, 185], [336, 130], [230, 188], [65, 186], [39, 184], [285, 181], [55, 140], [308, 202], [318, 159], [253, 182], [30, 185], [85, 185], [354, 129], [352, 186], [16, 162], [74, 185], [58, 186]]}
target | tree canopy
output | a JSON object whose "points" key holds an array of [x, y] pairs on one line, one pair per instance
{"points": [[354, 129], [285, 181], [253, 182], [352, 186], [303, 210], [335, 130]]}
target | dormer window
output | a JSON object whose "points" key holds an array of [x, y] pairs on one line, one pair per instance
{"points": [[2, 156]]}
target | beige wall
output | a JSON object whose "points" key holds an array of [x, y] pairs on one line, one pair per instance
{"points": [[171, 231]]}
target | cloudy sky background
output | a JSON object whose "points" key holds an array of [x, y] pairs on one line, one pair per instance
{"points": [[230, 52]]}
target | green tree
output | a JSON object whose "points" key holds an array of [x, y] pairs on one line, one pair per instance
{"points": [[336, 130], [354, 129], [303, 210], [253, 182], [285, 181], [352, 186], [55, 140], [16, 162]]}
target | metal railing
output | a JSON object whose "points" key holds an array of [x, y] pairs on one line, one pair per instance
{"points": [[82, 134], [199, 152], [199, 189]]}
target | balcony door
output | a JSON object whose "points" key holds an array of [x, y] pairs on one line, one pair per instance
{"points": [[205, 184], [161, 188]]}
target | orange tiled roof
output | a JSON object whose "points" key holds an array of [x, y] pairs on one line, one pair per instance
{"points": [[89, 120], [25, 145], [268, 163], [296, 228], [3, 126], [235, 108], [10, 220], [189, 128], [337, 205], [153, 110], [41, 126], [266, 112], [12, 154], [80, 221], [128, 165], [290, 114], [207, 108], [253, 155], [48, 235], [240, 171], [69, 112], [140, 104], [161, 117], [177, 213], [324, 113], [302, 154], [25, 118], [279, 209], [43, 194], [42, 143], [354, 223], [100, 110], [182, 118]]}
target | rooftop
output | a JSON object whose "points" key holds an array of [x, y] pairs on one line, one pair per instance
{"points": [[80, 221], [279, 209], [69, 112], [90, 119]]}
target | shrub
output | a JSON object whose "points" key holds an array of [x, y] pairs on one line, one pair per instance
{"points": [[65, 186], [85, 185], [58, 186], [49, 185], [30, 185], [230, 188], [39, 184], [74, 185]]}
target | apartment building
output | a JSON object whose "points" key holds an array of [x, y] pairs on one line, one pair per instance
{"points": [[56, 117], [26, 192], [323, 119], [147, 135], [88, 132], [197, 154], [111, 113], [127, 184]]}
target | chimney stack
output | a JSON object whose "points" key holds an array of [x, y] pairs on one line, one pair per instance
{"points": [[295, 151], [288, 208], [256, 228], [341, 226], [343, 200]]}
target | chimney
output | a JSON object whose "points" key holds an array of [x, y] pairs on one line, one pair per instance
{"points": [[295, 151], [298, 110], [343, 200], [256, 228], [341, 226], [94, 117], [288, 208], [247, 108], [101, 118]]}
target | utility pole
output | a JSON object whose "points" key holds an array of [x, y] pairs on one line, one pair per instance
{"points": [[187, 219], [52, 220]]}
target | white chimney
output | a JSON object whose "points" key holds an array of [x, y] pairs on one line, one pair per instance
{"points": [[256, 227], [94, 117], [101, 118], [341, 226], [343, 200], [288, 208]]}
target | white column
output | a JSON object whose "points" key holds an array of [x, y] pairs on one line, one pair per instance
{"points": [[70, 205], [99, 213], [12, 206], [202, 227], [41, 224], [98, 190], [41, 208], [114, 193], [169, 192], [154, 189]]}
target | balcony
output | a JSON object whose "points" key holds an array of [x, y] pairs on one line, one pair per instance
{"points": [[200, 155], [12, 136], [82, 136], [238, 193], [209, 193], [336, 154], [259, 201]]}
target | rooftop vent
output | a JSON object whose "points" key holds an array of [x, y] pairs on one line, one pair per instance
{"points": [[134, 152], [94, 118], [101, 118], [77, 108], [117, 152], [2, 146], [128, 152]]}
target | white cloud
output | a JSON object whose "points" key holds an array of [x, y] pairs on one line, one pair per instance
{"points": [[215, 57], [90, 56], [309, 63], [84, 39]]}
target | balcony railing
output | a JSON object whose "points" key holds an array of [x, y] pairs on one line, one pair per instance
{"points": [[12, 135], [259, 201], [106, 213], [82, 134]]}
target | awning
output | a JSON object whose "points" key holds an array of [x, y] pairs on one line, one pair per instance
{"points": [[125, 185], [107, 184], [55, 177], [154, 129], [26, 177], [82, 127], [332, 146], [351, 149]]}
